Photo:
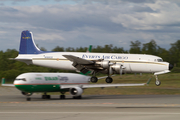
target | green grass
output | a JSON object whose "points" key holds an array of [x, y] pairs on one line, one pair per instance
{"points": [[170, 84]]}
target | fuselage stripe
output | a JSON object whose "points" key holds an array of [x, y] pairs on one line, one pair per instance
{"points": [[145, 62], [53, 84]]}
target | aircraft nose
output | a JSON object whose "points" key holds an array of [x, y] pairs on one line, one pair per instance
{"points": [[170, 66]]}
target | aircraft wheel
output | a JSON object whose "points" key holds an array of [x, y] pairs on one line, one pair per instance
{"points": [[109, 80], [44, 96], [94, 79], [48, 96], [28, 99], [77, 97], [62, 96], [158, 83]]}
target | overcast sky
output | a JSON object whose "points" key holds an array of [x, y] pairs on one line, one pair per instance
{"points": [[80, 23]]}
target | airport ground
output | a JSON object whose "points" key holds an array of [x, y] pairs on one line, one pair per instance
{"points": [[14, 106]]}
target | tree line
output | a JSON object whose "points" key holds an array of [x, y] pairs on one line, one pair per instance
{"points": [[11, 68]]}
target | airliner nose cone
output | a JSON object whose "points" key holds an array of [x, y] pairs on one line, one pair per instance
{"points": [[170, 66]]}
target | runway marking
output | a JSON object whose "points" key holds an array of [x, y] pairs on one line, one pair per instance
{"points": [[107, 103], [121, 113]]}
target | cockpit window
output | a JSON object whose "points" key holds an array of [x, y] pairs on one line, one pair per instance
{"points": [[23, 79], [160, 60]]}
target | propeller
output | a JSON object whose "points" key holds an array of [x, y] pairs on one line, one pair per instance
{"points": [[120, 70]]}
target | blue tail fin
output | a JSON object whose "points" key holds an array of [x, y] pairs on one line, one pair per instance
{"points": [[27, 45]]}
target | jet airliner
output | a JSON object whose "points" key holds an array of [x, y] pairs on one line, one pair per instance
{"points": [[108, 63], [29, 83]]}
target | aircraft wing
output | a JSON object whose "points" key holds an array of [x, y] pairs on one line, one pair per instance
{"points": [[78, 60], [84, 86], [100, 85]]}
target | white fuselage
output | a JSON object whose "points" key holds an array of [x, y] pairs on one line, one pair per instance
{"points": [[48, 82], [132, 63]]}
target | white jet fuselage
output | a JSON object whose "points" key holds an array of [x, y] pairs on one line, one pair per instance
{"points": [[48, 82]]}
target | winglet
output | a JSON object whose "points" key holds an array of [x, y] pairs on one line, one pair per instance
{"points": [[148, 81]]}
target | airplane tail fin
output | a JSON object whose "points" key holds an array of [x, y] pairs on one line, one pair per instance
{"points": [[89, 49], [27, 45]]}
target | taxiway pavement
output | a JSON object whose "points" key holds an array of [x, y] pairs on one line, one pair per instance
{"points": [[14, 106]]}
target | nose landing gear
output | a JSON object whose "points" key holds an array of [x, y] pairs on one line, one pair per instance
{"points": [[158, 82]]}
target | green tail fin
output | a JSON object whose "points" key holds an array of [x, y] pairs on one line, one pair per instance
{"points": [[90, 48]]}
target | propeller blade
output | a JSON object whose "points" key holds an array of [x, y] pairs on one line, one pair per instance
{"points": [[121, 70]]}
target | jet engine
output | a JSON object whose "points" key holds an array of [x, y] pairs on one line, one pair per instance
{"points": [[76, 91]]}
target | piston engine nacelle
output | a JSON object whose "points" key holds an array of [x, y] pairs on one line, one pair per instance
{"points": [[104, 64], [117, 68], [76, 91]]}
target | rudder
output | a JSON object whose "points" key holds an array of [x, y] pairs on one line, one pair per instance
{"points": [[27, 45]]}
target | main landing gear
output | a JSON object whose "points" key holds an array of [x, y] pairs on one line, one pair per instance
{"points": [[109, 80], [46, 96], [95, 79], [77, 97], [62, 96]]}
